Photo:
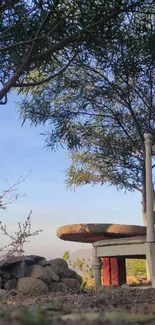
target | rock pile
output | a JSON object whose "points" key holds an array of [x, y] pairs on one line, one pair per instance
{"points": [[34, 275]]}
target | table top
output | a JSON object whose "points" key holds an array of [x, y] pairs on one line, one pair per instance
{"points": [[91, 232]]}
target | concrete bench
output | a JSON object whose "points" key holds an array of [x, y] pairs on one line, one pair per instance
{"points": [[114, 268], [129, 247]]}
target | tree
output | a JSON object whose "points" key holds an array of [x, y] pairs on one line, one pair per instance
{"points": [[102, 106], [40, 39]]}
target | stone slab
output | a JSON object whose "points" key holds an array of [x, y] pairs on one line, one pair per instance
{"points": [[91, 232]]}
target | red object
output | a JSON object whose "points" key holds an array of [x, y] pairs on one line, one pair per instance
{"points": [[114, 271]]}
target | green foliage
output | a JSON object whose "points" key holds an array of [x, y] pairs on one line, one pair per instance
{"points": [[46, 36], [136, 267], [79, 264], [82, 265], [101, 106], [66, 256]]}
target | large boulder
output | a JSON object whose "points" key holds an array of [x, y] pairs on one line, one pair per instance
{"points": [[71, 283], [37, 258], [43, 262], [18, 270], [68, 273], [58, 262], [3, 293], [31, 286], [58, 265], [5, 274], [53, 286], [38, 272], [16, 259], [59, 270], [79, 278], [10, 284], [54, 276]]}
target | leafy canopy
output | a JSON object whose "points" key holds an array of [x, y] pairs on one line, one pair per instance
{"points": [[104, 102], [40, 38]]}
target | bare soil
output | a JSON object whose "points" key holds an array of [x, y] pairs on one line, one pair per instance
{"points": [[109, 306]]}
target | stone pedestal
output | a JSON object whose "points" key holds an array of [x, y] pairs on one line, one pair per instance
{"points": [[114, 271]]}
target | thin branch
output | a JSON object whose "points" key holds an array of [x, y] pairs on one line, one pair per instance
{"points": [[37, 34], [5, 100], [19, 22], [80, 35], [21, 69], [8, 6], [10, 194], [37, 83], [127, 104], [2, 49], [58, 46], [137, 91]]}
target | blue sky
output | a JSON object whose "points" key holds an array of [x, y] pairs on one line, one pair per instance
{"points": [[22, 150]]}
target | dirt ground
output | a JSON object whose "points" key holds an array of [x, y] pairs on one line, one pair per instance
{"points": [[109, 306]]}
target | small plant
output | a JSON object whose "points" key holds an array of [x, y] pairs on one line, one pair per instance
{"points": [[23, 233], [83, 286], [66, 255], [15, 248], [82, 266]]}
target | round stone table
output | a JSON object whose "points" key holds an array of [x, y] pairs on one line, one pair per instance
{"points": [[91, 232], [114, 269]]}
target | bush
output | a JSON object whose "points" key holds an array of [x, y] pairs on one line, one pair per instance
{"points": [[136, 267]]}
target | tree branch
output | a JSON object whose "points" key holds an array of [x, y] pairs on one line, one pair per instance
{"points": [[37, 83], [127, 104], [8, 5], [59, 45]]}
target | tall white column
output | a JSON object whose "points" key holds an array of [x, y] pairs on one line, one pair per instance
{"points": [[149, 189]]}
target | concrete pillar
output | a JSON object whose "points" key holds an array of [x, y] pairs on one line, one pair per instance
{"points": [[97, 271], [149, 189]]}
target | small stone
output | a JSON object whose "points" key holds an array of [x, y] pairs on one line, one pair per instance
{"points": [[71, 283], [31, 286], [10, 284], [125, 286], [53, 286], [54, 276], [3, 293]]}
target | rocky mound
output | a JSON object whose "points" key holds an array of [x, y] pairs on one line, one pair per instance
{"points": [[34, 275]]}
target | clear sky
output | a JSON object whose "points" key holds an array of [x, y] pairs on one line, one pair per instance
{"points": [[22, 150]]}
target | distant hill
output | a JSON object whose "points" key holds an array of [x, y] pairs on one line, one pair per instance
{"points": [[82, 253], [85, 254]]}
